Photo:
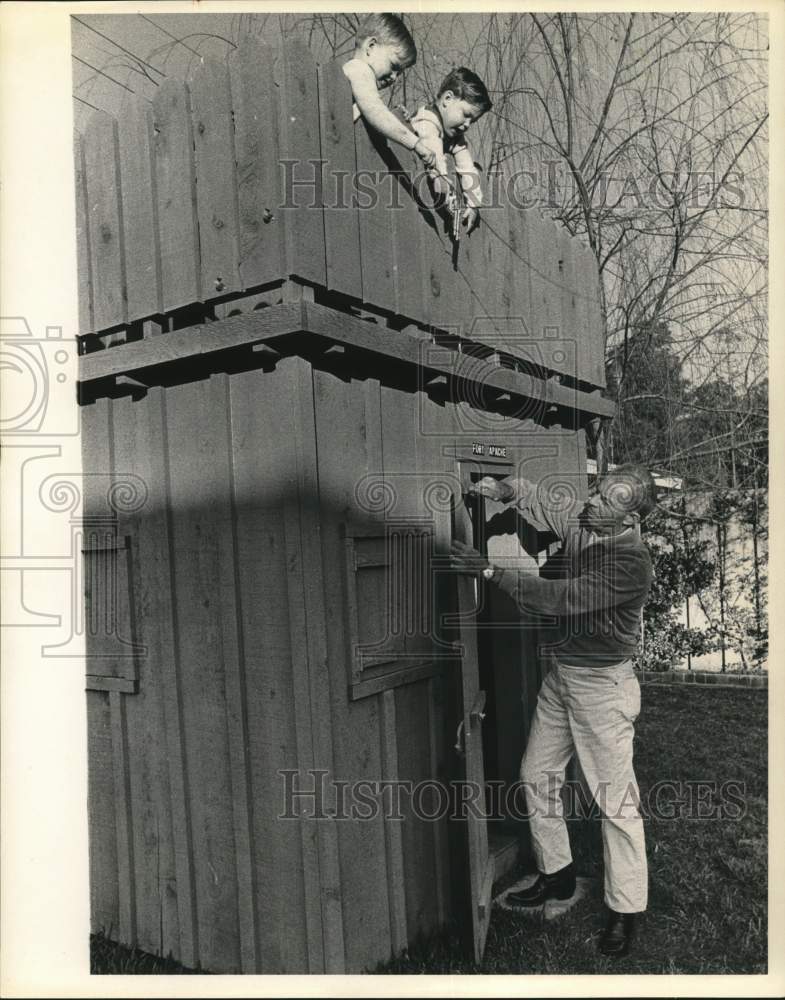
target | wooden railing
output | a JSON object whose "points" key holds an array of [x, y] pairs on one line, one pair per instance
{"points": [[253, 174]]}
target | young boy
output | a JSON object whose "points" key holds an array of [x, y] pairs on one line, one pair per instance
{"points": [[462, 100], [383, 48]]}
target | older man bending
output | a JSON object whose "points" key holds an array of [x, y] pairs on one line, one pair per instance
{"points": [[590, 699]]}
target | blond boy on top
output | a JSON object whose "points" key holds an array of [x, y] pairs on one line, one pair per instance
{"points": [[462, 100], [383, 49]]}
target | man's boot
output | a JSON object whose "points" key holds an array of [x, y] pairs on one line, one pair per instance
{"points": [[557, 885], [616, 937]]}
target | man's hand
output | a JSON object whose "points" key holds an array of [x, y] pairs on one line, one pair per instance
{"points": [[493, 489], [465, 559]]}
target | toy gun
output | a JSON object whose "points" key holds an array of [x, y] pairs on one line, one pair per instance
{"points": [[455, 206]]}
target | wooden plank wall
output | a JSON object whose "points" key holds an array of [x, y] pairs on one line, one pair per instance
{"points": [[239, 593], [105, 222], [341, 225], [176, 196], [285, 866], [411, 707], [137, 142], [348, 446], [185, 783], [187, 852], [252, 172], [256, 143]]}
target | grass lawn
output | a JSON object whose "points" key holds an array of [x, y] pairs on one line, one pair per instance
{"points": [[107, 957], [708, 877]]}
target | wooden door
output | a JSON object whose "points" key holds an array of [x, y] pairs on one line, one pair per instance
{"points": [[469, 736]]}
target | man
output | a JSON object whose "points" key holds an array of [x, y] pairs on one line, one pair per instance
{"points": [[590, 699]]}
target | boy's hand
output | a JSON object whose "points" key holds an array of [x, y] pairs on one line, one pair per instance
{"points": [[441, 185], [471, 219], [427, 155]]}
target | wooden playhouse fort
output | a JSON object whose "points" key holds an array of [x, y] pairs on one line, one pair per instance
{"points": [[288, 383]]}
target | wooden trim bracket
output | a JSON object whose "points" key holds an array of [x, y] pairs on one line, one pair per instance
{"points": [[154, 361]]}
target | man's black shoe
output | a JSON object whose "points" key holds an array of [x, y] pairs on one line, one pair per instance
{"points": [[618, 934], [557, 885]]}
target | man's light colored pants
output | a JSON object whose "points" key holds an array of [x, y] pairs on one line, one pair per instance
{"points": [[589, 711]]}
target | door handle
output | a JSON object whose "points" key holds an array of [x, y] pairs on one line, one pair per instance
{"points": [[476, 715], [477, 712]]}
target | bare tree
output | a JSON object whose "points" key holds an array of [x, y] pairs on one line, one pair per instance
{"points": [[649, 133]]}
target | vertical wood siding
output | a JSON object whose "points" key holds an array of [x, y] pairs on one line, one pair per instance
{"points": [[377, 220], [83, 256], [341, 223], [175, 189], [188, 851], [140, 209], [256, 109], [216, 189], [105, 222], [300, 146]]}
